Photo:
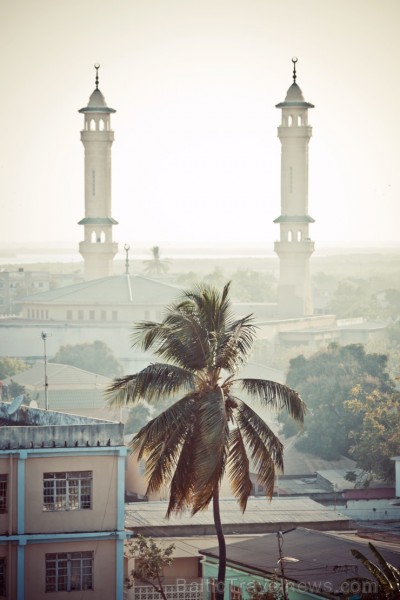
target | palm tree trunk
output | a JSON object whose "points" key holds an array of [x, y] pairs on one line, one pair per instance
{"points": [[220, 587]]}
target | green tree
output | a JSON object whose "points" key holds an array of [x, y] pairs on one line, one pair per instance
{"points": [[377, 440], [150, 561], [10, 366], [325, 381], [95, 357], [156, 265], [210, 430]]}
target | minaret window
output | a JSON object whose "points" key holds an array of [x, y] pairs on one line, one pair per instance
{"points": [[101, 125], [299, 120], [290, 120], [290, 236], [92, 125], [93, 237], [299, 236], [102, 237]]}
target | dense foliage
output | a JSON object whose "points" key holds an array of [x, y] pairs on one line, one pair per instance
{"points": [[95, 357], [327, 381]]}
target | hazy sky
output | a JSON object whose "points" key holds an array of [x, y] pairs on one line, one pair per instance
{"points": [[196, 156]]}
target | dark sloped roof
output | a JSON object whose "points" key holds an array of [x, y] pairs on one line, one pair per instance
{"points": [[323, 560]]}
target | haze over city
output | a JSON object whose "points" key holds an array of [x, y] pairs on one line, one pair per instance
{"points": [[196, 158]]}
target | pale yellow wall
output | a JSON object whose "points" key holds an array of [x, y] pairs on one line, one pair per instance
{"points": [[8, 520], [103, 570], [103, 514]]}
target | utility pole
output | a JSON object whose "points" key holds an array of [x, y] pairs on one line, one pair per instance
{"points": [[46, 384]]}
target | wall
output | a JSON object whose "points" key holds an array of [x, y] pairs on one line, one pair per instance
{"points": [[103, 570]]}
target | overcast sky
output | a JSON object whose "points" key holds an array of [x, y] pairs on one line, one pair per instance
{"points": [[196, 158]]}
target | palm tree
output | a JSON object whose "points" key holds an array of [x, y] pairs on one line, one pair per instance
{"points": [[156, 265], [210, 430], [386, 575]]}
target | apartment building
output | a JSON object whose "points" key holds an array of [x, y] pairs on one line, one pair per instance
{"points": [[61, 505]]}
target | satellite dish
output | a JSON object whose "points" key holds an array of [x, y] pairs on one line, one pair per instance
{"points": [[33, 404], [15, 404]]}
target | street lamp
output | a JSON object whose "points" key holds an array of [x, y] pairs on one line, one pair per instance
{"points": [[283, 559], [46, 398]]}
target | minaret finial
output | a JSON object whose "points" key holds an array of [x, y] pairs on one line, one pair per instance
{"points": [[97, 67], [127, 248], [294, 61]]}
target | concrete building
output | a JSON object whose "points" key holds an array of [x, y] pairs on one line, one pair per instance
{"points": [[61, 505], [98, 248], [294, 247], [15, 285]]}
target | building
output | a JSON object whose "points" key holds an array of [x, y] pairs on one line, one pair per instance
{"points": [[61, 505], [98, 248], [313, 564], [15, 285], [294, 247]]}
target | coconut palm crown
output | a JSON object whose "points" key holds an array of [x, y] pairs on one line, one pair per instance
{"points": [[210, 430]]}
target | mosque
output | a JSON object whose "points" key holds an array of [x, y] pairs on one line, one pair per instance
{"points": [[105, 305]]}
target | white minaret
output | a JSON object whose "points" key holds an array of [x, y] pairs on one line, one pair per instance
{"points": [[294, 247], [97, 248]]}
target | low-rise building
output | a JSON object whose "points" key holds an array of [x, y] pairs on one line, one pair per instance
{"points": [[61, 505]]}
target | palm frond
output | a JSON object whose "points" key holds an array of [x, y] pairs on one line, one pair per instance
{"points": [[184, 480], [160, 442], [276, 396], [156, 381], [390, 571], [380, 577], [235, 344], [211, 447], [266, 450], [239, 468]]}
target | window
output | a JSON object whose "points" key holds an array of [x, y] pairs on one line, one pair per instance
{"points": [[91, 315], [235, 593], [103, 315], [114, 315], [69, 315], [2, 576], [80, 315], [67, 491], [3, 493], [69, 571]]}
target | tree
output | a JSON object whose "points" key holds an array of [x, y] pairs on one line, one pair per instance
{"points": [[150, 561], [377, 440], [95, 357], [386, 575], [210, 430], [325, 381], [10, 366], [156, 265]]}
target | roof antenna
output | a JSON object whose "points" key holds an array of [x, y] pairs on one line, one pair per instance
{"points": [[294, 61], [127, 248], [97, 67]]}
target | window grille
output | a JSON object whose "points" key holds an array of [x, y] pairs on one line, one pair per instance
{"points": [[67, 490], [235, 593], [3, 493], [2, 576], [69, 571], [172, 592]]}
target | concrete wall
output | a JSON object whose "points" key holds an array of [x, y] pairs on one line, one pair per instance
{"points": [[103, 514], [103, 567]]}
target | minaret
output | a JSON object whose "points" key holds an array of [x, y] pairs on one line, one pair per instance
{"points": [[98, 248], [294, 247]]}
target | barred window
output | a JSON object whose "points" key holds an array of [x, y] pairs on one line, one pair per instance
{"points": [[3, 493], [235, 593], [67, 490], [2, 576], [69, 571]]}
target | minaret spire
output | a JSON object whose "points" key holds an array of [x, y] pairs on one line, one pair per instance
{"points": [[97, 67], [294, 61], [294, 247]]}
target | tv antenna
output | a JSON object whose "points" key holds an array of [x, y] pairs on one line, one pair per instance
{"points": [[46, 384]]}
